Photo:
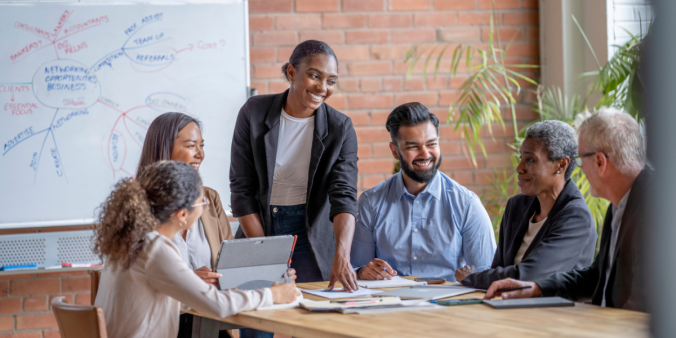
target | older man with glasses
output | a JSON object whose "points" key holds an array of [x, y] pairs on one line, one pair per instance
{"points": [[613, 159]]}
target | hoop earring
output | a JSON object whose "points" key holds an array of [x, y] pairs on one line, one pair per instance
{"points": [[183, 224]]}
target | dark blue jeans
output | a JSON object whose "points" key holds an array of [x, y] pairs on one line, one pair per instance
{"points": [[290, 220]]}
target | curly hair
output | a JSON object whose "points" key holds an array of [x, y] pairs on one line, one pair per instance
{"points": [[558, 138], [136, 207], [305, 50]]}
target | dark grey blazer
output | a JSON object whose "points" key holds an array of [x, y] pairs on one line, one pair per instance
{"points": [[626, 286], [565, 242], [332, 180]]}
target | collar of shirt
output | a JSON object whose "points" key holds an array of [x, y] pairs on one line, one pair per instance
{"points": [[433, 188], [623, 202]]}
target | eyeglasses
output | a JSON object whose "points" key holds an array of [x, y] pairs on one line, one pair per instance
{"points": [[205, 202], [578, 158]]}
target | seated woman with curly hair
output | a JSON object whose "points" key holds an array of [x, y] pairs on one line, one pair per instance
{"points": [[144, 280]]}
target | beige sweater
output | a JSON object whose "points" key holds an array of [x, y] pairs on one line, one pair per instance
{"points": [[144, 301]]}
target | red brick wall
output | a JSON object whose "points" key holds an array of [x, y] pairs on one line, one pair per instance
{"points": [[370, 38], [25, 302]]}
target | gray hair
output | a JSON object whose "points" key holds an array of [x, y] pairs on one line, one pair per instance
{"points": [[558, 138], [616, 134]]}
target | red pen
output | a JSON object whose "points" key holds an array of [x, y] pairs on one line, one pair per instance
{"points": [[295, 238]]}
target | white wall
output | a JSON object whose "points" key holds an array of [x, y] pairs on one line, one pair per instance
{"points": [[627, 15]]}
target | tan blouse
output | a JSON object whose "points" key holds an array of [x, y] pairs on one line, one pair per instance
{"points": [[144, 301]]}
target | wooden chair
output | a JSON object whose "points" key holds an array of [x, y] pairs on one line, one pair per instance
{"points": [[77, 321], [95, 278]]}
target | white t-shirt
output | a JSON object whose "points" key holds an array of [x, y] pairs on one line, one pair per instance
{"points": [[533, 229], [292, 165]]}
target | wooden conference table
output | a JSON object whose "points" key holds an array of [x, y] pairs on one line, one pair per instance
{"points": [[478, 320]]}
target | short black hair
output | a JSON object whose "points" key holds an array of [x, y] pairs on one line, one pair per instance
{"points": [[305, 50], [409, 114]]}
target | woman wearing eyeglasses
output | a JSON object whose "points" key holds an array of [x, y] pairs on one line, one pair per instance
{"points": [[547, 228], [145, 280], [178, 137]]}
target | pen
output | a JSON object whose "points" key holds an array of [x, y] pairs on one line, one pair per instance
{"points": [[513, 289], [353, 302], [286, 277]]}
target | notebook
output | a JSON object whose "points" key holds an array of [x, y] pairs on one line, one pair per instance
{"points": [[529, 302], [430, 292], [395, 282]]}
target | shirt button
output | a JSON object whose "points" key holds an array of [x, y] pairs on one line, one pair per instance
{"points": [[417, 202], [274, 209], [415, 230], [415, 258]]}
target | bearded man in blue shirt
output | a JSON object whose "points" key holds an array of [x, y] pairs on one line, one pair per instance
{"points": [[419, 222]]}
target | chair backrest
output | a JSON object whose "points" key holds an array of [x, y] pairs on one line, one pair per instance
{"points": [[95, 278], [79, 321]]}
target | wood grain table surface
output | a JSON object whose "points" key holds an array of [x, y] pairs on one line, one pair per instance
{"points": [[479, 320]]}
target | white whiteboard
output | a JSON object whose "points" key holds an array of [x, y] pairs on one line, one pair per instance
{"points": [[81, 82]]}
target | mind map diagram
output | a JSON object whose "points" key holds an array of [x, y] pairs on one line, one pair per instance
{"points": [[71, 88]]}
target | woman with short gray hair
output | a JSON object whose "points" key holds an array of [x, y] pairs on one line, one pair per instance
{"points": [[547, 228]]}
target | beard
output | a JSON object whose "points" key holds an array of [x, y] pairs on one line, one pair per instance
{"points": [[420, 175]]}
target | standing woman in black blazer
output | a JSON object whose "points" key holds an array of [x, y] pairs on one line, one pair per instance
{"points": [[547, 228], [294, 168]]}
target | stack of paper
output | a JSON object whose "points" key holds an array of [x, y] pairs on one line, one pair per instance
{"points": [[325, 305], [361, 307], [428, 292], [395, 282], [405, 306], [340, 293]]}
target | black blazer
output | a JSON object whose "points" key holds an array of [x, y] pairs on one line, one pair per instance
{"points": [[332, 180], [566, 240], [626, 288]]}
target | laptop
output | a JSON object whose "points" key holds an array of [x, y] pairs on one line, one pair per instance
{"points": [[254, 263]]}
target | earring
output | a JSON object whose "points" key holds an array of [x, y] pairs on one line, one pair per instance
{"points": [[183, 224]]}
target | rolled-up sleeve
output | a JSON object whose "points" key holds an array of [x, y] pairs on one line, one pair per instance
{"points": [[478, 240], [243, 177], [343, 177], [363, 243]]}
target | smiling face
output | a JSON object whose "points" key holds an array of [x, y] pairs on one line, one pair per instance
{"points": [[189, 146], [313, 81], [536, 173], [418, 152]]}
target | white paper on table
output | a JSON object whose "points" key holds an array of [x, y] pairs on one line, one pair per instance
{"points": [[291, 305], [362, 292], [395, 282]]}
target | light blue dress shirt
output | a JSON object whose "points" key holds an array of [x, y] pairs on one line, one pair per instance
{"points": [[433, 234]]}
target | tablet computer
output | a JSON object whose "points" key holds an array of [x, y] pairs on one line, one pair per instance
{"points": [[521, 303], [253, 263]]}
